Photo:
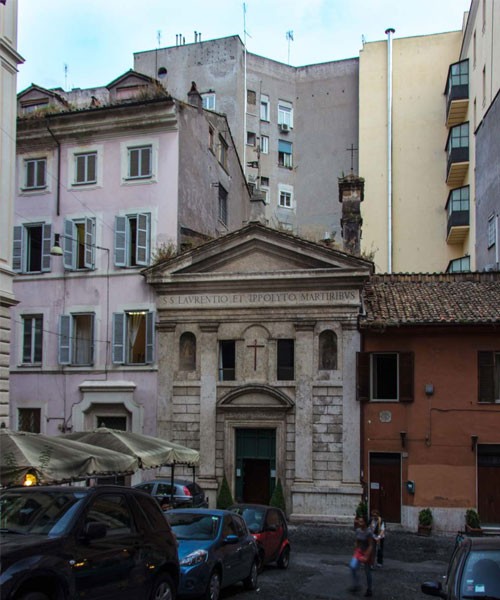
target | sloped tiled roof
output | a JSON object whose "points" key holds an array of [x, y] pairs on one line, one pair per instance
{"points": [[431, 299]]}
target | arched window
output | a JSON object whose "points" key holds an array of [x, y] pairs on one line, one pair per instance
{"points": [[327, 350], [187, 352]]}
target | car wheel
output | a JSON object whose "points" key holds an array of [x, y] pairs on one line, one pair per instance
{"points": [[250, 582], [163, 588], [284, 558], [213, 587], [34, 596]]}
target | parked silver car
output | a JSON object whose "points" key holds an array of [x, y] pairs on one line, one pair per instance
{"points": [[185, 493]]}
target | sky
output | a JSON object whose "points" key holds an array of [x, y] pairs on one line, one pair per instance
{"points": [[88, 43]]}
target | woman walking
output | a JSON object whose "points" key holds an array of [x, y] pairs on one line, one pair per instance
{"points": [[363, 555]]}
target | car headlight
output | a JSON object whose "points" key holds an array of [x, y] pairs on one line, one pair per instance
{"points": [[195, 558]]}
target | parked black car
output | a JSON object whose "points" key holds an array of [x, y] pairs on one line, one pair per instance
{"points": [[473, 571], [103, 542], [185, 494]]}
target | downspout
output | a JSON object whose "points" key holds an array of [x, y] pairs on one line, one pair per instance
{"points": [[389, 33], [245, 91], [58, 191]]}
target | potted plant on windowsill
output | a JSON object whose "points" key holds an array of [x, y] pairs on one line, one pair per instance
{"points": [[425, 522], [472, 522]]}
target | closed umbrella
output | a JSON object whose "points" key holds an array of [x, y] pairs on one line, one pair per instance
{"points": [[150, 451], [56, 459]]}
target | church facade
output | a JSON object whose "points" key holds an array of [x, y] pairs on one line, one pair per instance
{"points": [[257, 339]]}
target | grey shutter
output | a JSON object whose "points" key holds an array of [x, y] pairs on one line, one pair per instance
{"points": [[121, 241], [17, 249], [150, 335], [406, 393], [46, 246], [68, 244], [363, 360], [142, 249], [119, 322], [89, 243], [65, 339]]}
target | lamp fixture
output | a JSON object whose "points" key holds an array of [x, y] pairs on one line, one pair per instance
{"points": [[56, 249], [429, 389]]}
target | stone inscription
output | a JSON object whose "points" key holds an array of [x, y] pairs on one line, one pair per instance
{"points": [[260, 298]]}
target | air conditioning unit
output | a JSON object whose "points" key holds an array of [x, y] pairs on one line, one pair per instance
{"points": [[284, 127]]}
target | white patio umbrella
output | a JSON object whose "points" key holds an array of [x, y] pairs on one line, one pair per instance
{"points": [[56, 459]]}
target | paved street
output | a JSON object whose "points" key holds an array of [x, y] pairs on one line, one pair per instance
{"points": [[319, 567]]}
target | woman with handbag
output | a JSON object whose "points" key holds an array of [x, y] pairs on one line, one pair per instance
{"points": [[363, 556]]}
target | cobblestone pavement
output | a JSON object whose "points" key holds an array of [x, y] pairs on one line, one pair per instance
{"points": [[319, 566]]}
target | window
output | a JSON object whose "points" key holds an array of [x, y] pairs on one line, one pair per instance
{"points": [[459, 137], [211, 139], [474, 50], [222, 152], [113, 512], [35, 174], [484, 85], [187, 351], [251, 97], [86, 168], [285, 113], [28, 419], [385, 376], [492, 231], [458, 200], [140, 162], [111, 422], [285, 154], [285, 360], [132, 240], [285, 196], [133, 337], [32, 339], [222, 205], [227, 360], [251, 138], [488, 368], [264, 144], [31, 248], [264, 181], [79, 244], [327, 350], [208, 100], [76, 339], [459, 265], [264, 108]]}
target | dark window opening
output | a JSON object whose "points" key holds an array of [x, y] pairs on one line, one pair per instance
{"points": [[327, 350], [285, 360], [385, 377], [28, 419], [227, 360]]}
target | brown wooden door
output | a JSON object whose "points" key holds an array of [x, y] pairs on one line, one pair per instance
{"points": [[488, 483], [385, 485], [256, 479]]}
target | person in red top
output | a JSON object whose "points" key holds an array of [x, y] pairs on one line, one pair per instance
{"points": [[363, 555]]}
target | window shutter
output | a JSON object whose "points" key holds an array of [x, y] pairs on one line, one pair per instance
{"points": [[150, 335], [46, 246], [119, 322], [486, 376], [65, 340], [406, 393], [120, 241], [363, 376], [68, 244], [89, 243], [17, 250], [142, 249]]}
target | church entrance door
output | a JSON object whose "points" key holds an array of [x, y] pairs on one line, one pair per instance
{"points": [[255, 465]]}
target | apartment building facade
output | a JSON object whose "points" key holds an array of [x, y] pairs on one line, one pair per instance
{"points": [[109, 181]]}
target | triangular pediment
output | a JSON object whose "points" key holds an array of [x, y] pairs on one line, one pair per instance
{"points": [[257, 249]]}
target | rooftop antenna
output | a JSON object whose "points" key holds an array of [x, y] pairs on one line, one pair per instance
{"points": [[65, 76], [289, 37], [352, 150]]}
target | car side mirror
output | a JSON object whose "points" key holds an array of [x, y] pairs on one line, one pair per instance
{"points": [[433, 588], [94, 531], [231, 539]]}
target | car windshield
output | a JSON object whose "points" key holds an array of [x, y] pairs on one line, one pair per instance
{"points": [[254, 517], [192, 526], [45, 513], [481, 577]]}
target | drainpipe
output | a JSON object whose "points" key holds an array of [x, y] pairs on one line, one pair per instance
{"points": [[58, 192], [389, 33]]}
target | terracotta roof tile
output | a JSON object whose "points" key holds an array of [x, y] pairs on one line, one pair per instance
{"points": [[407, 299]]}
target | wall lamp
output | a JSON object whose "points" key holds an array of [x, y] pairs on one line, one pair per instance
{"points": [[402, 435], [56, 249], [429, 389], [473, 439]]}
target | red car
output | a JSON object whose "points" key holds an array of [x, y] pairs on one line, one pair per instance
{"points": [[268, 526]]}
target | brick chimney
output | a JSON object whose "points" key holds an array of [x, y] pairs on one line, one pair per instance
{"points": [[351, 194]]}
